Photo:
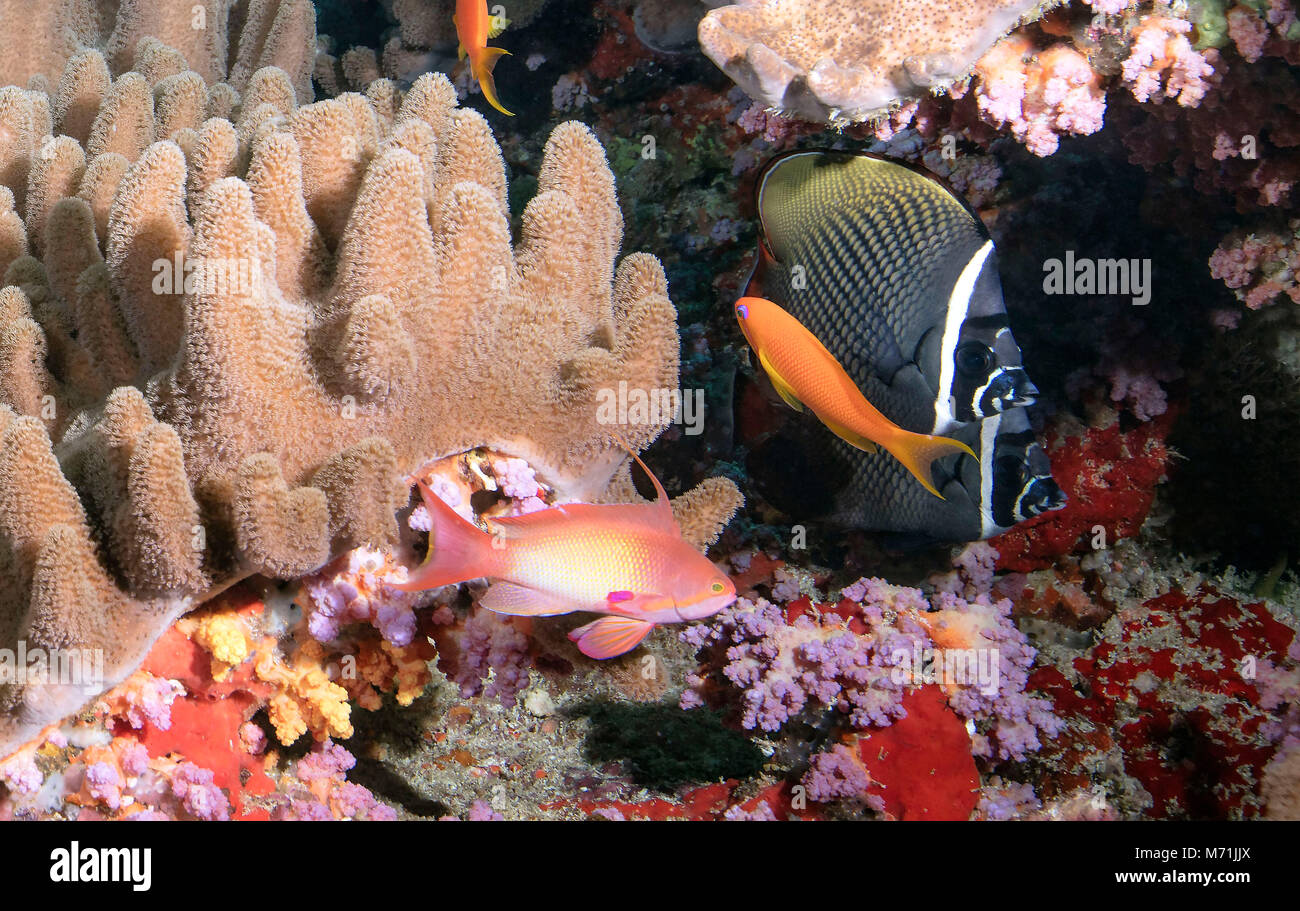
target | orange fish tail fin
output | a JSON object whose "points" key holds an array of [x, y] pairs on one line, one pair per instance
{"points": [[918, 450], [458, 550], [483, 68]]}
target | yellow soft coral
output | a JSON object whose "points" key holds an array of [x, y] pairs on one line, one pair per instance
{"points": [[306, 699], [382, 667], [226, 637]]}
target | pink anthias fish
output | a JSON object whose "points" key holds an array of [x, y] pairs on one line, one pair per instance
{"points": [[627, 561]]}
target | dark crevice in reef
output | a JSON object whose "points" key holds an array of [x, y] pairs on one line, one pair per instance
{"points": [[662, 746], [1233, 492]]}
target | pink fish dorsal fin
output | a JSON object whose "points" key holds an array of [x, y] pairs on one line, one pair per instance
{"points": [[659, 514], [520, 601], [609, 637], [621, 517], [543, 520]]}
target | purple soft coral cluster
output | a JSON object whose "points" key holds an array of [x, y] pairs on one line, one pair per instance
{"points": [[1140, 391], [1056, 93], [481, 811], [1015, 719], [517, 480], [780, 668], [331, 796], [358, 593], [1133, 382], [1109, 7], [326, 760], [770, 125], [1242, 139], [972, 573], [105, 784], [1279, 691], [784, 668], [493, 646], [974, 176], [1042, 93], [150, 699], [193, 787], [835, 774], [1253, 31], [1010, 800], [19, 773], [761, 813]]}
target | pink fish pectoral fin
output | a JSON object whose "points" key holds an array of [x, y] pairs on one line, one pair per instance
{"points": [[609, 637], [625, 602], [519, 601], [783, 388]]}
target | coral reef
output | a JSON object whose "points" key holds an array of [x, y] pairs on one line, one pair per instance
{"points": [[1179, 688], [1110, 476], [1260, 267], [222, 42], [826, 61], [328, 795], [785, 669], [229, 359], [1055, 92], [235, 324], [1162, 62]]}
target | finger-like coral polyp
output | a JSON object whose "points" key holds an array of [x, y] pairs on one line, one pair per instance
{"points": [[233, 325]]}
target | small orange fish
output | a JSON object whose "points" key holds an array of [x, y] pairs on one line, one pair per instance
{"points": [[474, 26], [628, 561], [805, 373]]}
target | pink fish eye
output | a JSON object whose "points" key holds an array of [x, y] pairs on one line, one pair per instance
{"points": [[718, 588], [742, 310]]}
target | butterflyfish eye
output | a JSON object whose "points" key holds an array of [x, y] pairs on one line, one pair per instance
{"points": [[974, 358]]}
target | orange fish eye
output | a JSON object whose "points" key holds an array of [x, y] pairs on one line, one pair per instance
{"points": [[742, 310], [718, 588]]}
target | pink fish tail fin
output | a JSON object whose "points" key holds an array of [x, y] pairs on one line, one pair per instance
{"points": [[458, 550], [917, 452], [483, 67]]}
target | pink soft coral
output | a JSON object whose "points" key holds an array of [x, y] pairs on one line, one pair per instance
{"points": [[1039, 96], [1163, 64], [1260, 267]]}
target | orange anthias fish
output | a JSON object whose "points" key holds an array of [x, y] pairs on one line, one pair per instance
{"points": [[805, 373], [628, 561], [474, 26]]}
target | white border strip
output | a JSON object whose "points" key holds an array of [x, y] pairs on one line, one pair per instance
{"points": [[958, 306]]}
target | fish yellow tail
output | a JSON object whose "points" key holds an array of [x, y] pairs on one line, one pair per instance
{"points": [[458, 550], [483, 67], [918, 450]]}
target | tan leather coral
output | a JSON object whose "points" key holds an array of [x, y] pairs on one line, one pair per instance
{"points": [[221, 40], [232, 326]]}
